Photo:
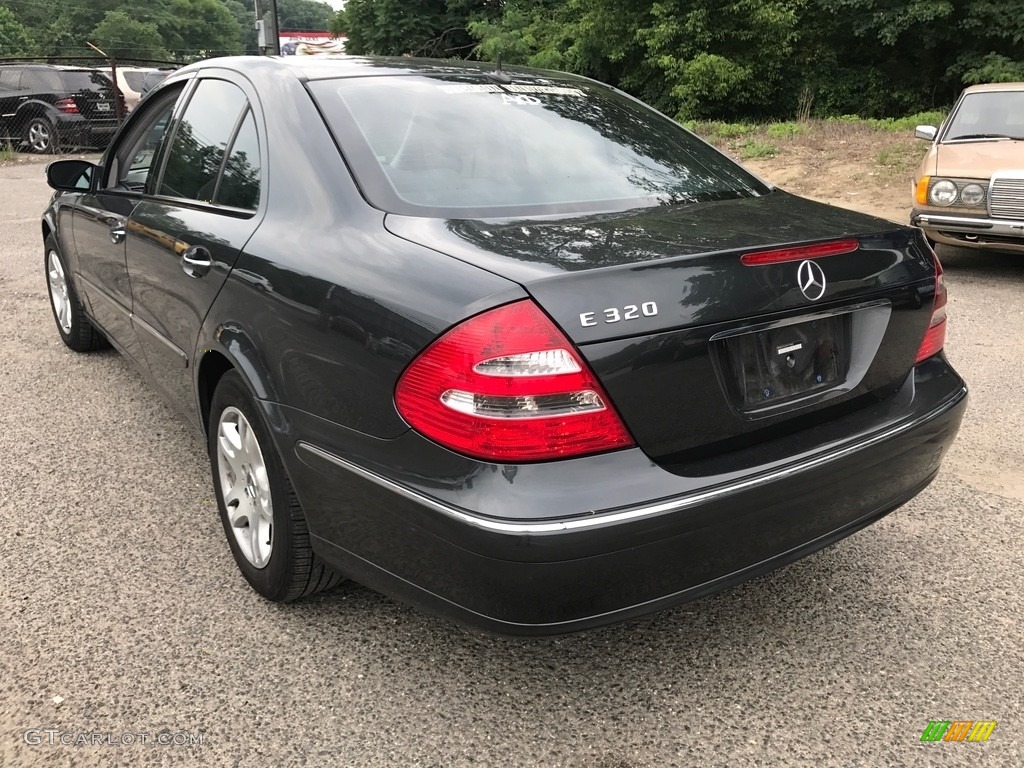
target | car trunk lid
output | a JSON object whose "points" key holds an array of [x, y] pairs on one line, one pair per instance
{"points": [[697, 349]]}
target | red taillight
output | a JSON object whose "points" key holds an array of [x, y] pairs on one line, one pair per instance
{"points": [[506, 385], [935, 336], [799, 253], [67, 106]]}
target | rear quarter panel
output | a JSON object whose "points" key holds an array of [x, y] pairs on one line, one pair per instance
{"points": [[324, 307]]}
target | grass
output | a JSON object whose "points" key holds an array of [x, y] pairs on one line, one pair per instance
{"points": [[753, 148], [728, 130], [885, 145], [7, 153], [752, 138], [900, 157], [786, 130]]}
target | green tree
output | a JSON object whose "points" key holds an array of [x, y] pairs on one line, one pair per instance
{"points": [[434, 28], [537, 33], [198, 27], [245, 17], [123, 37], [304, 14], [14, 38]]}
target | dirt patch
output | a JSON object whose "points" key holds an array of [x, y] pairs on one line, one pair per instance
{"points": [[848, 165]]}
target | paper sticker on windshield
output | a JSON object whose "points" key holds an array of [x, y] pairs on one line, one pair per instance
{"points": [[519, 99], [556, 90]]}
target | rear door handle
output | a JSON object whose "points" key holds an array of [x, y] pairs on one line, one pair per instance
{"points": [[196, 261], [117, 231]]}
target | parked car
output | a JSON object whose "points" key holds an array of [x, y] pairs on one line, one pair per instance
{"points": [[47, 107], [136, 82], [524, 352], [969, 189]]}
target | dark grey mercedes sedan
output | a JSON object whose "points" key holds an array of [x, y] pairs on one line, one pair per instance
{"points": [[506, 344]]}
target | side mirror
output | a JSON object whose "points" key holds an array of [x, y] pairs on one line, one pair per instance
{"points": [[926, 132], [71, 175]]}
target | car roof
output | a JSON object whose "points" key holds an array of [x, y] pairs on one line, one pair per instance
{"points": [[326, 67], [988, 87]]}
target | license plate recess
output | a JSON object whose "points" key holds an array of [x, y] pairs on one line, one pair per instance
{"points": [[780, 364]]}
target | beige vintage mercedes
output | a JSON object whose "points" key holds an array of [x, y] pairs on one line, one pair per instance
{"points": [[969, 189]]}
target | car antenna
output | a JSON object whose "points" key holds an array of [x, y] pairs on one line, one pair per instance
{"points": [[497, 74]]}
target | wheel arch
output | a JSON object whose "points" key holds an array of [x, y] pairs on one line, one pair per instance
{"points": [[32, 109], [212, 366], [230, 349]]}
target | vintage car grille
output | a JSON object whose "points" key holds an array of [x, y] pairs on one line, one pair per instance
{"points": [[1006, 198]]}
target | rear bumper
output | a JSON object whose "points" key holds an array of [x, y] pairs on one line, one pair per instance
{"points": [[548, 574], [75, 129]]}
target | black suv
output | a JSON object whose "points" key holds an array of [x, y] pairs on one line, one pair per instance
{"points": [[48, 107]]}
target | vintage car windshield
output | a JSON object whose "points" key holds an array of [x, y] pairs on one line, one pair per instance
{"points": [[468, 147], [988, 115]]}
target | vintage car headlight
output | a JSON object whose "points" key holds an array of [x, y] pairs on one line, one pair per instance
{"points": [[972, 194], [943, 192]]}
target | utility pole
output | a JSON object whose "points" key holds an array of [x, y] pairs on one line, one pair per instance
{"points": [[275, 45], [267, 34]]}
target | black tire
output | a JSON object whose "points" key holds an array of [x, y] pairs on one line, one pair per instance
{"points": [[75, 329], [292, 570], [41, 136]]}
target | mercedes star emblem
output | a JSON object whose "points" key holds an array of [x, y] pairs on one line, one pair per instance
{"points": [[811, 279]]}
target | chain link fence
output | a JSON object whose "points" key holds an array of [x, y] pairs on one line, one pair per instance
{"points": [[57, 106]]}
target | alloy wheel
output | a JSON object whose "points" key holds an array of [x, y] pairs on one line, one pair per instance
{"points": [[59, 291], [245, 487], [39, 136]]}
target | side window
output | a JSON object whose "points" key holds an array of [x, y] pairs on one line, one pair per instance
{"points": [[41, 81], [144, 154], [240, 185], [10, 77], [29, 81], [197, 151], [137, 158]]}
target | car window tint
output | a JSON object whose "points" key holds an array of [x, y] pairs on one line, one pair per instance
{"points": [[152, 79], [240, 185], [43, 80], [142, 156], [83, 80], [135, 80], [197, 151], [10, 77], [449, 145]]}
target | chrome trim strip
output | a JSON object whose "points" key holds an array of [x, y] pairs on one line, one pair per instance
{"points": [[136, 320], [969, 225], [636, 513], [114, 303]]}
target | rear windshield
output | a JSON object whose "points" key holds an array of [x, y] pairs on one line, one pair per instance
{"points": [[461, 148], [84, 80], [988, 115]]}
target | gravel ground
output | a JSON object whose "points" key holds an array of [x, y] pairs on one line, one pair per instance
{"points": [[123, 612]]}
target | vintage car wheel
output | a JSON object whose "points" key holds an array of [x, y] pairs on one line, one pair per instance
{"points": [[262, 519], [75, 329]]}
